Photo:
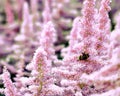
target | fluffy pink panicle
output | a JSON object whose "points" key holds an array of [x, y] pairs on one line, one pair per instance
{"points": [[112, 92], [9, 87], [34, 10], [73, 37], [41, 72], [47, 38], [104, 20], [25, 12], [74, 32], [49, 34], [27, 25], [87, 21], [47, 12], [9, 12], [82, 34], [39, 58], [103, 31]]}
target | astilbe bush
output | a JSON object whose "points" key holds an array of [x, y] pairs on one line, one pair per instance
{"points": [[90, 64]]}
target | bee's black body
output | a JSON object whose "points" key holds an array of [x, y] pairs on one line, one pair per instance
{"points": [[84, 56]]}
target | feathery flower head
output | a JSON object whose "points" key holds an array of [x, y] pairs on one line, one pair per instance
{"points": [[10, 89], [47, 12], [9, 12], [87, 21]]}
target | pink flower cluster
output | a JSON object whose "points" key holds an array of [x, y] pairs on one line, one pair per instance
{"points": [[90, 64]]}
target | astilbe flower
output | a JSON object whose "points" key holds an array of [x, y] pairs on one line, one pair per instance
{"points": [[9, 12], [27, 26], [63, 76], [113, 92], [85, 30], [41, 64], [74, 32], [109, 77], [78, 61], [19, 10], [84, 47], [84, 27], [26, 37], [106, 80], [21, 52], [82, 56], [10, 89], [103, 28], [47, 39], [20, 73], [47, 16], [34, 9], [73, 38], [9, 20], [87, 21], [42, 67]]}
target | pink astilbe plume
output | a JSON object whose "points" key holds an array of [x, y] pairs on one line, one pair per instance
{"points": [[9, 12], [34, 9], [103, 19], [10, 89], [42, 64], [103, 31], [26, 37], [20, 6], [73, 38], [87, 21], [41, 70], [20, 73], [106, 79], [9, 20], [47, 16], [85, 30], [47, 38], [27, 26], [74, 34], [82, 57], [45, 54], [85, 47], [112, 92]]}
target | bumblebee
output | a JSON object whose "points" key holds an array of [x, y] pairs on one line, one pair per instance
{"points": [[83, 56]]}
